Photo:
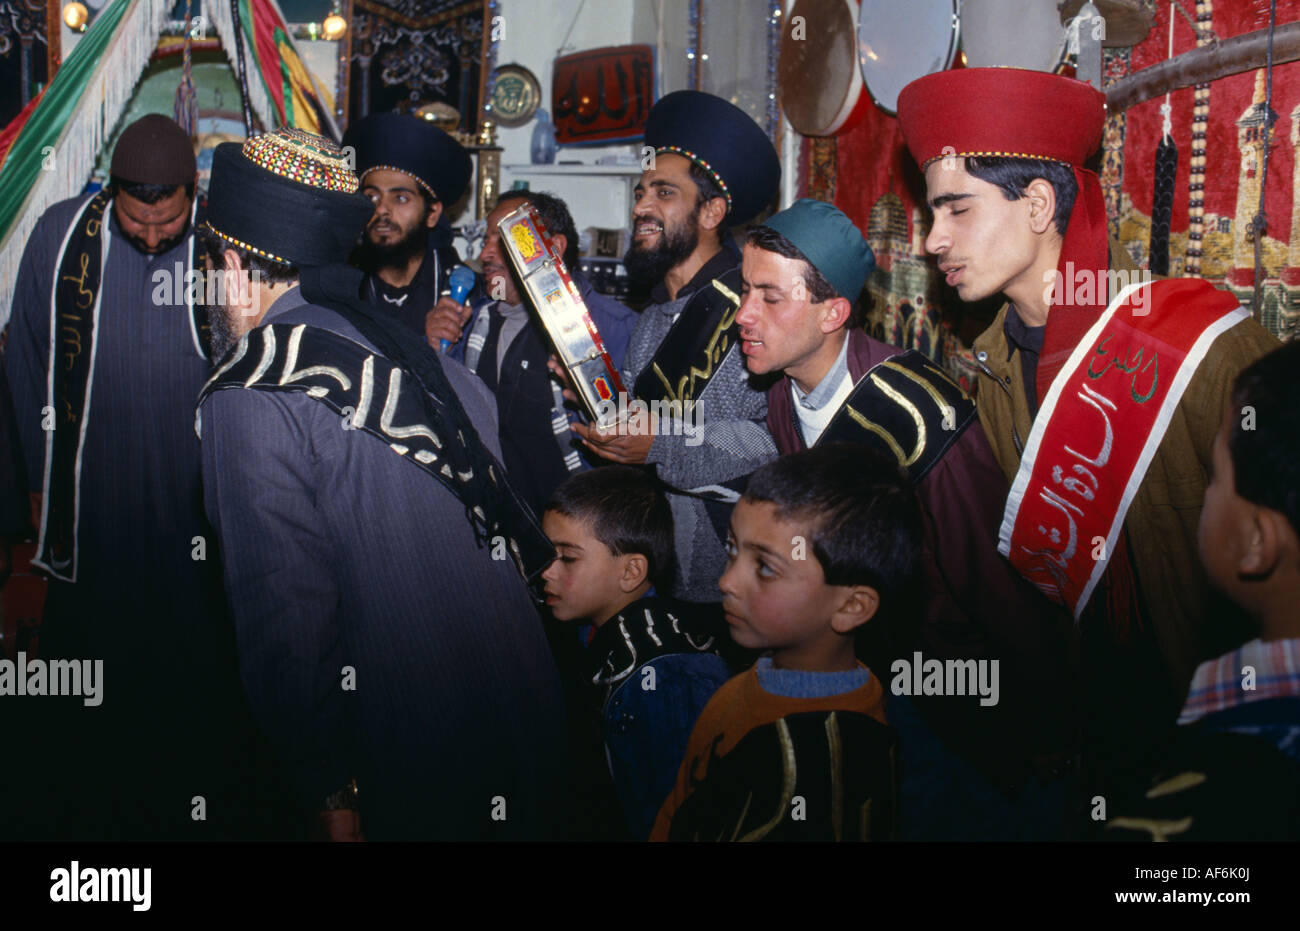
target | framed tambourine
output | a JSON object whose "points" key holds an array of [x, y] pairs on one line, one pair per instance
{"points": [[516, 95], [900, 42], [818, 75], [562, 311]]}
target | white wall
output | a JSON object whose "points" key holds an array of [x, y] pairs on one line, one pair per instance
{"points": [[535, 30]]}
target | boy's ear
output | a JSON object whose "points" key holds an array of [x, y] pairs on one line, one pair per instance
{"points": [[1265, 546], [859, 606], [636, 570]]}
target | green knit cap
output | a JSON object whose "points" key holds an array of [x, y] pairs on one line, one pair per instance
{"points": [[830, 241]]}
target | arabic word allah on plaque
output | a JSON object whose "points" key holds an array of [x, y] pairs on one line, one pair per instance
{"points": [[602, 95]]}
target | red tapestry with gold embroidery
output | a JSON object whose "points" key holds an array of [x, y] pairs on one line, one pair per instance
{"points": [[1213, 240], [867, 173]]}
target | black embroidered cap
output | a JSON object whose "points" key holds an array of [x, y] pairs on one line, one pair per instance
{"points": [[288, 196], [723, 140], [414, 146]]}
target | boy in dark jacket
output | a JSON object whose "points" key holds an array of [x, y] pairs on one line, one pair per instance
{"points": [[649, 666]]}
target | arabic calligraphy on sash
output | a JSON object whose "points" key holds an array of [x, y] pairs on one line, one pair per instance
{"points": [[715, 350]]}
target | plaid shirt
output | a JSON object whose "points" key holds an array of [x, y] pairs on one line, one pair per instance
{"points": [[1218, 683]]}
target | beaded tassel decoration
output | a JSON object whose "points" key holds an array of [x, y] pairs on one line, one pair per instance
{"points": [[185, 110], [1162, 204], [1165, 174]]}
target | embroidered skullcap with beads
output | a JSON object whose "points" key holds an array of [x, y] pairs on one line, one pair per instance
{"points": [[287, 196], [303, 157]]}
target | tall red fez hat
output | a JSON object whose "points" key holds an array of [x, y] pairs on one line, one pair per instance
{"points": [[1006, 112], [1015, 113]]}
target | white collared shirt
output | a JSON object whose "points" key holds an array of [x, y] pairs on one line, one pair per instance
{"points": [[816, 408]]}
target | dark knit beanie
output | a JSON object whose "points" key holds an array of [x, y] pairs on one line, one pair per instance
{"points": [[154, 150]]}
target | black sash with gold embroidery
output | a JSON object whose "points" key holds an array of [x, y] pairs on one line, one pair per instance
{"points": [[74, 316], [842, 765], [372, 394], [908, 409], [692, 352], [74, 311]]}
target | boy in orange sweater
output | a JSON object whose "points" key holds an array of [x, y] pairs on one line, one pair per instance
{"points": [[797, 747]]}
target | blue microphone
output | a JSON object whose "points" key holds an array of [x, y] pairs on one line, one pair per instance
{"points": [[462, 282]]}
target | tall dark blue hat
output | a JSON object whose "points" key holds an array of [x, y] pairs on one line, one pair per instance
{"points": [[414, 146], [288, 196], [723, 140]]}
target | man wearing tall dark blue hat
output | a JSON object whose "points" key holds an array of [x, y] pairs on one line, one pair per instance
{"points": [[413, 173], [970, 767], [375, 557], [713, 167]]}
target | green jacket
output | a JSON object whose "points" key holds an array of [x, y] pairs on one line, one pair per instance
{"points": [[1191, 623]]}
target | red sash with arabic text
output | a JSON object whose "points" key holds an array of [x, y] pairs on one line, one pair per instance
{"points": [[1100, 426]]}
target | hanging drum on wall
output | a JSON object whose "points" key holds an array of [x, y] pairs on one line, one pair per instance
{"points": [[1127, 21], [818, 79], [900, 42], [1011, 33]]}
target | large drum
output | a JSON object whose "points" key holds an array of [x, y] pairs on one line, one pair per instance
{"points": [[1011, 33], [818, 78], [900, 42]]}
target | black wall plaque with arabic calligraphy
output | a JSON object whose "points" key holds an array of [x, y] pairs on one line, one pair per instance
{"points": [[410, 52], [602, 95]]}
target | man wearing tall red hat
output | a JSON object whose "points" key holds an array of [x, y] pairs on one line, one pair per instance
{"points": [[1100, 390]]}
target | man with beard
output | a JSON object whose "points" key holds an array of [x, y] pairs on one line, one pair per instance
{"points": [[412, 172], [105, 355], [507, 347], [375, 557], [713, 167]]}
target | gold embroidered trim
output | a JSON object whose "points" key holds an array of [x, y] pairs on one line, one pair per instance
{"points": [[243, 245], [678, 150], [1041, 158], [416, 179]]}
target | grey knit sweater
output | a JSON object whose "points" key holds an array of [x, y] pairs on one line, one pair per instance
{"points": [[734, 440]]}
